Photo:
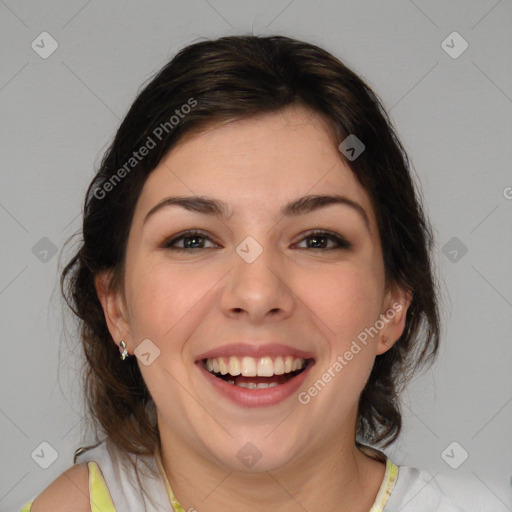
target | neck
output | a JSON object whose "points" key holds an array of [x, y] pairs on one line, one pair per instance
{"points": [[334, 477]]}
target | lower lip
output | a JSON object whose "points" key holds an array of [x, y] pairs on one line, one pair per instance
{"points": [[255, 397]]}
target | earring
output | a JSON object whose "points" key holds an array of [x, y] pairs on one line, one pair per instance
{"points": [[410, 325], [123, 351]]}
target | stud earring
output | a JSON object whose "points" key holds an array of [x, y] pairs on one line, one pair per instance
{"points": [[123, 351]]}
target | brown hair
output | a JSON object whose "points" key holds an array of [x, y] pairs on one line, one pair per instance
{"points": [[227, 79]]}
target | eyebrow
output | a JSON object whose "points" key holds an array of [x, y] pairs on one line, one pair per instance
{"points": [[300, 206]]}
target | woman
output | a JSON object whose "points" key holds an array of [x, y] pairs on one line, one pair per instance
{"points": [[254, 246]]}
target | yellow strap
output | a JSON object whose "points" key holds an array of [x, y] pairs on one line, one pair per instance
{"points": [[176, 506], [386, 487], [27, 507], [98, 491], [101, 500]]}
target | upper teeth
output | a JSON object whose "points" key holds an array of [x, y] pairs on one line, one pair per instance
{"points": [[254, 367]]}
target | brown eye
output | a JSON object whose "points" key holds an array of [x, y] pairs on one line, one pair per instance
{"points": [[187, 240], [321, 239]]}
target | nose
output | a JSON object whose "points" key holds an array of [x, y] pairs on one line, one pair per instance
{"points": [[259, 290]]}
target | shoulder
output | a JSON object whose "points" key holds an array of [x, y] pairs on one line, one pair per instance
{"points": [[70, 491], [417, 490]]}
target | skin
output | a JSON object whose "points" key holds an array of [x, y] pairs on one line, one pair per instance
{"points": [[313, 299]]}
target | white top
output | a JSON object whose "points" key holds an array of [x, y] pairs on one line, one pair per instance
{"points": [[417, 491], [403, 489]]}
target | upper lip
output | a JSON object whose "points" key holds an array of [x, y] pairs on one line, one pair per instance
{"points": [[254, 350]]}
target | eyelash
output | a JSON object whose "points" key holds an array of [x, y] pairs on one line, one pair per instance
{"points": [[342, 243]]}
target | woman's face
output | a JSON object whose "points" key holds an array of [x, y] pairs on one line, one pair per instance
{"points": [[253, 291]]}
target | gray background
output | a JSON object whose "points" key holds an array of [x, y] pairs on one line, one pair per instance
{"points": [[453, 115]]}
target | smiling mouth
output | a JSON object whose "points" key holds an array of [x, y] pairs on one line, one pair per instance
{"points": [[256, 373]]}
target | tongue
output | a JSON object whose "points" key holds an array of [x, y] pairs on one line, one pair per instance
{"points": [[280, 379]]}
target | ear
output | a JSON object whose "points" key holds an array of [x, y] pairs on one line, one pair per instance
{"points": [[393, 316], [114, 308]]}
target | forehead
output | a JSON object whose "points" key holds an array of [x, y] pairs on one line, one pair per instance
{"points": [[258, 163]]}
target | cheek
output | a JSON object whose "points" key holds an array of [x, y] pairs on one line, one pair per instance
{"points": [[167, 299], [345, 299], [345, 302]]}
